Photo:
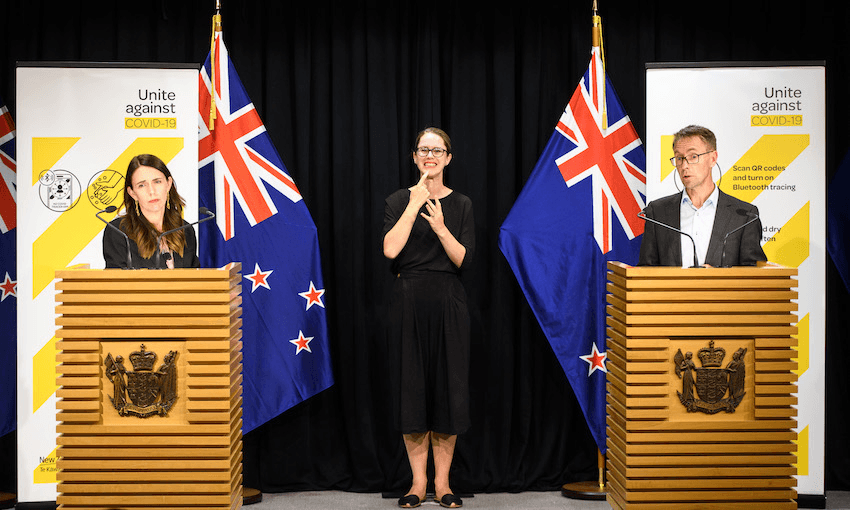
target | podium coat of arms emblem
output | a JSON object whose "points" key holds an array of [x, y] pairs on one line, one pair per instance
{"points": [[717, 388], [142, 392]]}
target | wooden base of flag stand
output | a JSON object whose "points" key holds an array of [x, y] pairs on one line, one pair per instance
{"points": [[594, 491], [7, 500], [251, 496], [584, 490]]}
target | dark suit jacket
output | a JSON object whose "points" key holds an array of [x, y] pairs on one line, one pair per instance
{"points": [[662, 247], [115, 250]]}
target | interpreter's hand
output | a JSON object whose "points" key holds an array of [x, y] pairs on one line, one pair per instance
{"points": [[435, 216], [419, 193]]}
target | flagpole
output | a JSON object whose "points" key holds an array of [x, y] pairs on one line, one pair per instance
{"points": [[596, 42], [590, 490], [216, 28], [250, 495]]}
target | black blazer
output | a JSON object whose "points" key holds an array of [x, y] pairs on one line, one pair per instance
{"points": [[662, 247], [115, 250]]}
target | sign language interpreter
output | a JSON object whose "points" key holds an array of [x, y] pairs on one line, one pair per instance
{"points": [[429, 236]]}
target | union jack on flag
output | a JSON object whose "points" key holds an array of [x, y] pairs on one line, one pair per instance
{"points": [[8, 169], [8, 270], [599, 152], [262, 222], [560, 233]]}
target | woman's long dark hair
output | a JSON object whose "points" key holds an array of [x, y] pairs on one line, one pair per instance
{"points": [[137, 227]]}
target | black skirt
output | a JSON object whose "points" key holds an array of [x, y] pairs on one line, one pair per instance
{"points": [[429, 352]]}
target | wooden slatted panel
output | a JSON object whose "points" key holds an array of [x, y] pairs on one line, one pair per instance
{"points": [[659, 455], [191, 458]]}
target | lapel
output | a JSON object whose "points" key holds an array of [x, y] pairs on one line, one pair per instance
{"points": [[674, 239]]}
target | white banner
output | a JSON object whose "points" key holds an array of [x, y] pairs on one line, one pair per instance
{"points": [[78, 127], [771, 142]]}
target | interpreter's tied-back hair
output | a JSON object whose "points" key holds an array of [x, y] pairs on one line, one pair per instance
{"points": [[437, 131]]}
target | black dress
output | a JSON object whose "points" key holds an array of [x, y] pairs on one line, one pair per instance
{"points": [[429, 321], [115, 250]]}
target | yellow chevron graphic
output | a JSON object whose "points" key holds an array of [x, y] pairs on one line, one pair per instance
{"points": [[790, 246], [666, 153], [44, 374], [760, 165], [802, 346], [803, 452], [46, 152], [45, 472], [74, 229]]}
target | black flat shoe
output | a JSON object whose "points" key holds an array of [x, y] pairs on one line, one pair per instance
{"points": [[409, 501], [450, 501]]}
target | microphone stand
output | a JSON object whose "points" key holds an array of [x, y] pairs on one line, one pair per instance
{"points": [[642, 215], [723, 253], [112, 209], [202, 210]]}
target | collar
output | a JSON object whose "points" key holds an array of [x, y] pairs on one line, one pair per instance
{"points": [[711, 200]]}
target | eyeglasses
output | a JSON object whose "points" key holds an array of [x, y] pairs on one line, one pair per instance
{"points": [[692, 159], [438, 152]]}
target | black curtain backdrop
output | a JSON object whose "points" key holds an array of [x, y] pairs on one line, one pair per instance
{"points": [[343, 88]]}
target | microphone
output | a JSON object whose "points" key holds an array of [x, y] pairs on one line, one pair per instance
{"points": [[642, 215], [723, 253], [112, 209], [203, 210]]}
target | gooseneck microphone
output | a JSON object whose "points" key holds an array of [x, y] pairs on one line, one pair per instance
{"points": [[723, 253], [203, 210], [642, 215], [112, 209]]}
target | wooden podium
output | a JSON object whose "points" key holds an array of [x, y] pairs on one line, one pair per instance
{"points": [[716, 436], [165, 432]]}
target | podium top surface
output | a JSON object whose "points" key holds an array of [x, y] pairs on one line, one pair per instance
{"points": [[763, 270], [84, 272]]}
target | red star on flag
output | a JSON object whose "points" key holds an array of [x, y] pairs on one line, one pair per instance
{"points": [[259, 278], [596, 360], [313, 296], [9, 288], [302, 343]]}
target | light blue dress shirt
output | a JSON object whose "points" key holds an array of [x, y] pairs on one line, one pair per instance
{"points": [[698, 223]]}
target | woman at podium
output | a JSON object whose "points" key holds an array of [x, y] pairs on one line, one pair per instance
{"points": [[151, 206]]}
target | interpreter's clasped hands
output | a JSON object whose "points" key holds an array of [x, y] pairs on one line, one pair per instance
{"points": [[420, 195], [435, 215]]}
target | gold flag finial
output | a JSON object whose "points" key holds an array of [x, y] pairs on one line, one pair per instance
{"points": [[216, 27], [596, 41], [596, 34]]}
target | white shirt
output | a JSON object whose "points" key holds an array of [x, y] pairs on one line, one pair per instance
{"points": [[698, 223]]}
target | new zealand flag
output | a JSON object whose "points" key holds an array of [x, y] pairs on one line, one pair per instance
{"points": [[561, 232], [262, 222], [8, 271]]}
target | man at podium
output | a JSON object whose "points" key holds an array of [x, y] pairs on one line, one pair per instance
{"points": [[700, 225]]}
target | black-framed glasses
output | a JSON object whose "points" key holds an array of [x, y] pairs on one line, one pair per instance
{"points": [[692, 159], [438, 152]]}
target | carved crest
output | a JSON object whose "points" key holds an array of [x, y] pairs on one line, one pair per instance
{"points": [[142, 392], [718, 389]]}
